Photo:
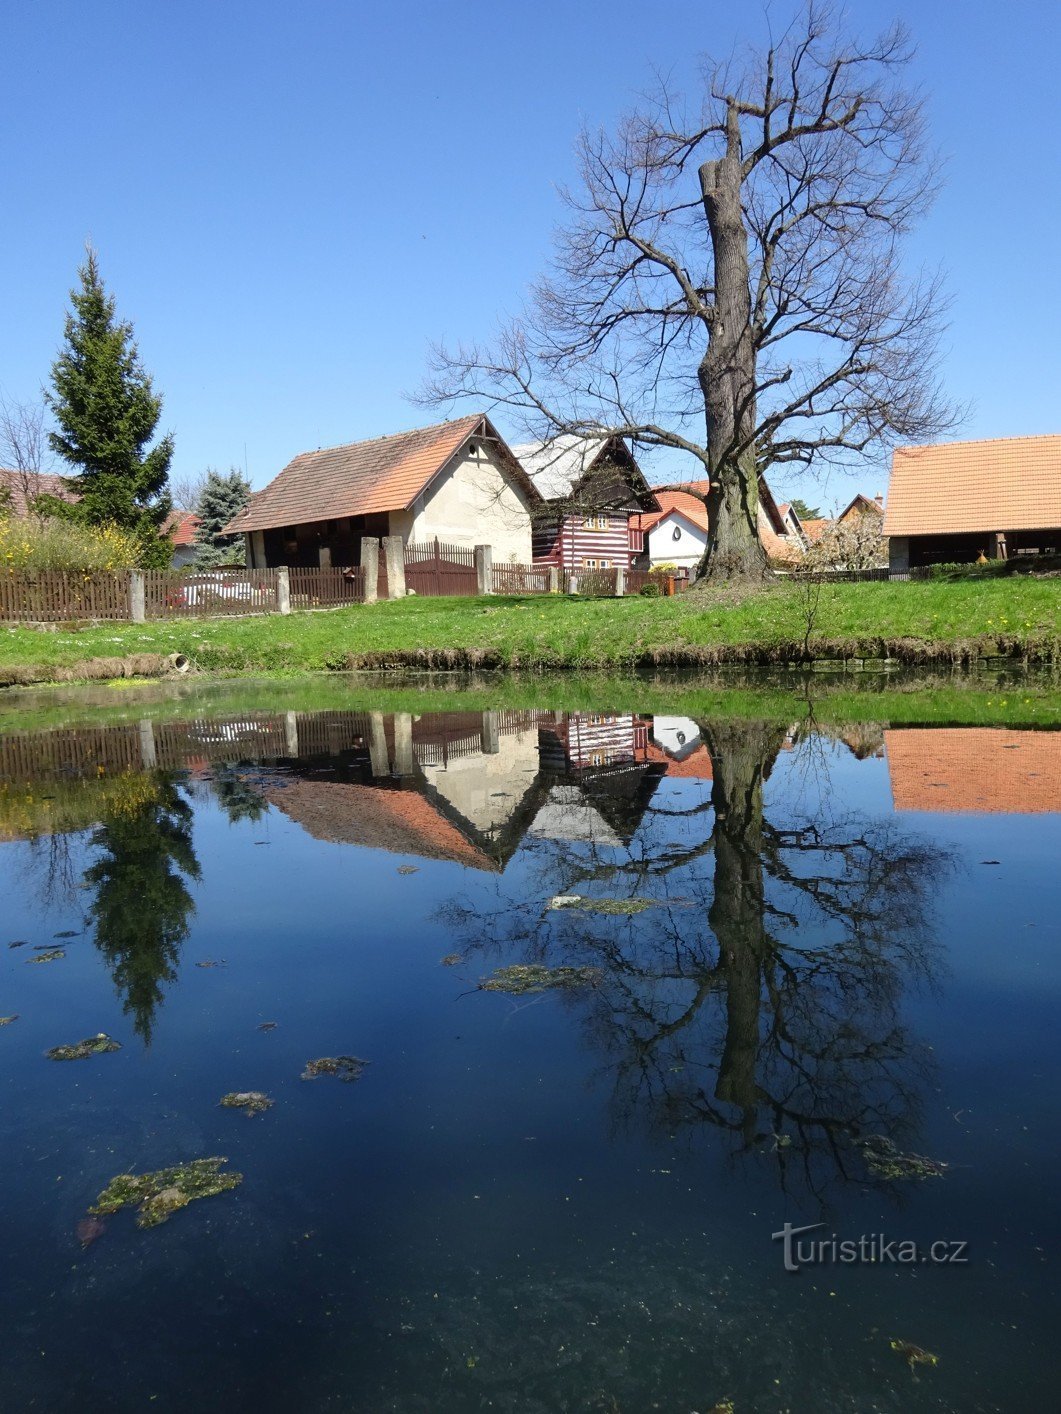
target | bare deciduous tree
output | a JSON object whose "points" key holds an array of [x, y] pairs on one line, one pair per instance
{"points": [[185, 491], [24, 449], [729, 284]]}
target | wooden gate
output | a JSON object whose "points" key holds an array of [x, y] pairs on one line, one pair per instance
{"points": [[435, 568]]}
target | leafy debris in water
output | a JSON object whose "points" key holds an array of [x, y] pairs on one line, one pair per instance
{"points": [[408, 869], [156, 1196], [251, 1102], [52, 955], [68, 933], [626, 907], [19, 943], [211, 962], [268, 1025], [884, 1160], [451, 959], [89, 1230], [913, 1354], [97, 1045], [534, 977], [7, 1020], [345, 1068]]}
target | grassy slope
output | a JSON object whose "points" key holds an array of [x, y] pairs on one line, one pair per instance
{"points": [[562, 632]]}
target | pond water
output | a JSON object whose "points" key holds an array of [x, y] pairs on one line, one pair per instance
{"points": [[763, 974]]}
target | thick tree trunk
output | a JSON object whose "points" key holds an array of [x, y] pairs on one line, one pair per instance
{"points": [[741, 757], [727, 382]]}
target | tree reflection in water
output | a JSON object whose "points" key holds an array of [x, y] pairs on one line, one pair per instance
{"points": [[763, 994], [141, 902]]}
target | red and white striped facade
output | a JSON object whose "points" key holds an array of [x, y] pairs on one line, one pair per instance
{"points": [[597, 540]]}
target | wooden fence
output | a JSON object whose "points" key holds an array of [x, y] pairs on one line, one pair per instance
{"points": [[169, 595], [326, 588], [436, 568], [55, 596], [597, 584], [521, 579]]}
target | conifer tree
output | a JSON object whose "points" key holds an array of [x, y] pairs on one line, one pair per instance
{"points": [[106, 412], [221, 498]]}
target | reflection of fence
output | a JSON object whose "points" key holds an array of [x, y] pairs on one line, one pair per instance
{"points": [[521, 579], [53, 596], [435, 568], [168, 595]]}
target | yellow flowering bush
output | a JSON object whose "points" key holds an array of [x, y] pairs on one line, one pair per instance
{"points": [[31, 544]]}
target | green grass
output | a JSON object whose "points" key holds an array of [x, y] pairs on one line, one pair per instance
{"points": [[551, 631]]}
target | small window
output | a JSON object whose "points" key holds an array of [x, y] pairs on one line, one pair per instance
{"points": [[676, 534], [605, 564], [595, 522], [590, 564]]}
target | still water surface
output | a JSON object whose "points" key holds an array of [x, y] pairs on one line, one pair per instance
{"points": [[823, 990]]}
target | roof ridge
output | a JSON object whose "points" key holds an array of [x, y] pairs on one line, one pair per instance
{"points": [[391, 436], [981, 441]]}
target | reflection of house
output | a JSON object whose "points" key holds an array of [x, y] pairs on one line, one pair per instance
{"points": [[457, 482], [974, 769], [601, 777], [676, 743], [956, 501], [594, 492]]}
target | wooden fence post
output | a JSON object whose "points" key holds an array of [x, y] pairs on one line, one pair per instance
{"points": [[620, 581], [137, 597], [394, 557], [283, 589], [370, 568], [484, 568]]}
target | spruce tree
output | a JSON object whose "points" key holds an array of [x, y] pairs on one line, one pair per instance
{"points": [[220, 499], [107, 412]]}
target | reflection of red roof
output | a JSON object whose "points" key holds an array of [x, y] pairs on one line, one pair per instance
{"points": [[691, 507], [694, 767], [974, 769], [181, 527], [399, 821]]}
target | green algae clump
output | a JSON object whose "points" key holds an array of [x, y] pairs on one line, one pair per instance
{"points": [[534, 977], [913, 1354], [251, 1102], [157, 1196], [7, 1020], [345, 1068], [52, 955], [625, 907], [97, 1045], [884, 1160]]}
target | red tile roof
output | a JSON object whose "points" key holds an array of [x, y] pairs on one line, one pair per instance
{"points": [[1009, 483], [360, 478], [38, 483], [399, 821], [974, 769], [181, 527], [815, 528], [691, 507]]}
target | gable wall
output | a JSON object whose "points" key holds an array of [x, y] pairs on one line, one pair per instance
{"points": [[473, 502]]}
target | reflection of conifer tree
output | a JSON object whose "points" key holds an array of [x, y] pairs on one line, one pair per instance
{"points": [[238, 796], [141, 902]]}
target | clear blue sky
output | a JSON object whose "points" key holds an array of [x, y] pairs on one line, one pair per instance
{"points": [[291, 200]]}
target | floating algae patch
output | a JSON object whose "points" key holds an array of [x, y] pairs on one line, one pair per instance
{"points": [[156, 1196], [346, 1068], [52, 955], [534, 977], [251, 1102], [625, 907], [451, 959], [884, 1160], [913, 1354], [97, 1045], [7, 1020]]}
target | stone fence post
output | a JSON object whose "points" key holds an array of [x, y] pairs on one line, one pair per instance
{"points": [[620, 582], [137, 597], [283, 590], [554, 580], [394, 558], [370, 568], [484, 568]]}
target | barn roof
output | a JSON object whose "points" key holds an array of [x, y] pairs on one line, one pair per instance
{"points": [[1008, 483]]}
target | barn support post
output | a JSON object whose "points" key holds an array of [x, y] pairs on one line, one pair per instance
{"points": [[484, 569], [394, 558], [137, 597], [370, 568], [283, 589]]}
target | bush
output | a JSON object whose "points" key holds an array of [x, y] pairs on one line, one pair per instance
{"points": [[650, 591], [32, 544]]}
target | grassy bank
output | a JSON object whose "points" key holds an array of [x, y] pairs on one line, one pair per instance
{"points": [[920, 621]]}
